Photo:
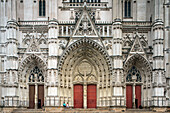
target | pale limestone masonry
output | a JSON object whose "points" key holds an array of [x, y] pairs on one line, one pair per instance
{"points": [[85, 43]]}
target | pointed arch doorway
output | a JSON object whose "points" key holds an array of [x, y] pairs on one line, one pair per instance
{"points": [[36, 88], [138, 78], [133, 88], [85, 91], [85, 70], [31, 76]]}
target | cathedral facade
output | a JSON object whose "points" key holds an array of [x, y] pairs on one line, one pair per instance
{"points": [[87, 53]]}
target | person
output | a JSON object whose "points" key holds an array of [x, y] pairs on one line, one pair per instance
{"points": [[64, 104], [67, 105], [140, 107]]}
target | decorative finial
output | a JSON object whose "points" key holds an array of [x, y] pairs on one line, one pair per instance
{"points": [[85, 4]]}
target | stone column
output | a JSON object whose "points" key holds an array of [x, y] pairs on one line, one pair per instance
{"points": [[2, 13], [13, 9], [159, 80], [52, 78], [117, 52], [117, 9], [117, 59], [167, 46], [12, 58], [53, 8], [2, 41], [134, 96], [36, 96], [85, 96]]}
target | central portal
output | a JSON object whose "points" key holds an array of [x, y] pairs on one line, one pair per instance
{"points": [[85, 75], [79, 94]]}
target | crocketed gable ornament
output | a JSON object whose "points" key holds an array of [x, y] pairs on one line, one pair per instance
{"points": [[33, 47], [137, 46], [85, 26]]}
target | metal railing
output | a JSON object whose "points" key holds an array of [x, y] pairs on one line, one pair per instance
{"points": [[10, 101], [45, 22], [52, 101], [159, 101], [156, 102], [102, 4], [13, 102], [115, 101]]}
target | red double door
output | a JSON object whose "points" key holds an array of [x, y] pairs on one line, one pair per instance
{"points": [[91, 96], [129, 96]]}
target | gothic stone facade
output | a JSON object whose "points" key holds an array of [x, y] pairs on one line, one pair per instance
{"points": [[89, 53]]}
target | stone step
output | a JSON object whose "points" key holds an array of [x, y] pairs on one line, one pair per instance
{"points": [[28, 111], [138, 110], [84, 111]]}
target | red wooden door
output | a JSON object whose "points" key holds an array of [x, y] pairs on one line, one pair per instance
{"points": [[129, 97], [40, 96], [32, 96], [138, 95], [91, 96], [78, 96]]}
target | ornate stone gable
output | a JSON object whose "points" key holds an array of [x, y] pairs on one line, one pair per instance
{"points": [[85, 26], [33, 47], [137, 47]]}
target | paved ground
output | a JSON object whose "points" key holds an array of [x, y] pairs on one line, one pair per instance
{"points": [[82, 111]]}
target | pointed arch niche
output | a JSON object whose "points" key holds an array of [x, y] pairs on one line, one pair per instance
{"points": [[31, 76], [138, 79], [85, 63]]}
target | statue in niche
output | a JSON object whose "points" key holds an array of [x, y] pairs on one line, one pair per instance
{"points": [[32, 78], [36, 75]]}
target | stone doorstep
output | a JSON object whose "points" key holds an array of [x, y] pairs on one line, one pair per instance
{"points": [[54, 109], [118, 109], [160, 109], [8, 109], [88, 109], [85, 110]]}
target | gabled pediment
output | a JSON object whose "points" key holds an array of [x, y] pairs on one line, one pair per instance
{"points": [[137, 47], [33, 47], [85, 27]]}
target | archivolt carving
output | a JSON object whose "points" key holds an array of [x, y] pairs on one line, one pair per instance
{"points": [[141, 58], [143, 65], [82, 42]]}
